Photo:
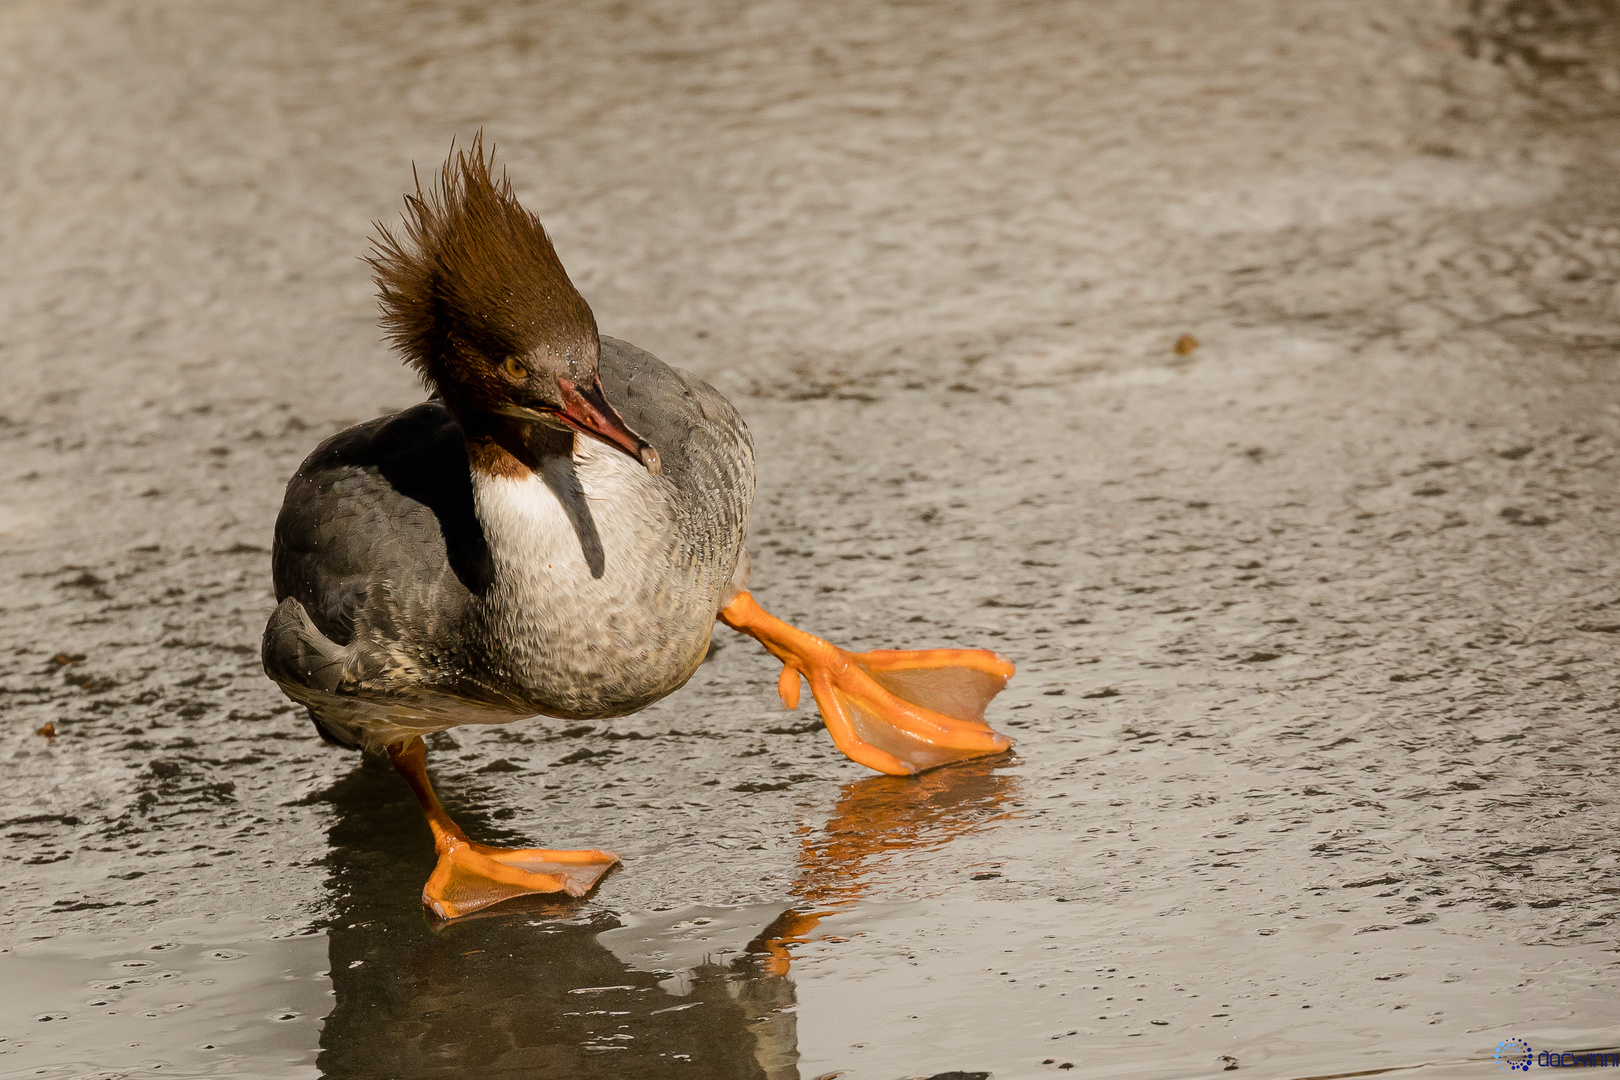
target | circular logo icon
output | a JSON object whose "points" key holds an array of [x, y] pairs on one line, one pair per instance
{"points": [[1513, 1054]]}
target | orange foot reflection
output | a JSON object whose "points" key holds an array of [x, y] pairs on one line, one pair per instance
{"points": [[875, 819]]}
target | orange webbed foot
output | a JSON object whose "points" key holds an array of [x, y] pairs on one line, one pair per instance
{"points": [[472, 876], [898, 712]]}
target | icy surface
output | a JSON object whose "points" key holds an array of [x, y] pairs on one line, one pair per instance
{"points": [[1315, 615]]}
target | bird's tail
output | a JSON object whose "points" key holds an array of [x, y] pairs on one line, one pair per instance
{"points": [[304, 662]]}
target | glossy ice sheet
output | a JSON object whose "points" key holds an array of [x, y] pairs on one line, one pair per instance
{"points": [[202, 997], [876, 990], [1315, 618], [1147, 985]]}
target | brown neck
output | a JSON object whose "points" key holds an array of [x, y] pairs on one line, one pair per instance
{"points": [[499, 446]]}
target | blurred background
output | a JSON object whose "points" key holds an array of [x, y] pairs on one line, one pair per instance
{"points": [[1243, 371]]}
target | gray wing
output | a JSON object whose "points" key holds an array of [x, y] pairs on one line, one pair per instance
{"points": [[377, 534], [702, 442]]}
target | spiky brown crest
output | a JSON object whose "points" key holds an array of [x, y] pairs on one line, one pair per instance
{"points": [[475, 280]]}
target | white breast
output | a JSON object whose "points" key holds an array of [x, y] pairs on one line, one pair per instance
{"points": [[590, 605], [565, 524]]}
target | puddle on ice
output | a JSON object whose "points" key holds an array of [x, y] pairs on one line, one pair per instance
{"points": [[1152, 994], [876, 991], [930, 931], [880, 991], [203, 997], [938, 924]]}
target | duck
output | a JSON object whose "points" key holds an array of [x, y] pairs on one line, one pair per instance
{"points": [[554, 532]]}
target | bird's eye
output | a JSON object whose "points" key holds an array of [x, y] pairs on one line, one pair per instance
{"points": [[514, 368]]}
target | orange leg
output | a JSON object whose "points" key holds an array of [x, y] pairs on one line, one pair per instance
{"points": [[472, 876], [896, 712]]}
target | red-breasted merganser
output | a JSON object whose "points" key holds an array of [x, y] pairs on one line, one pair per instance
{"points": [[553, 533]]}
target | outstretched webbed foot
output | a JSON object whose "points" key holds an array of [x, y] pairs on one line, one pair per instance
{"points": [[472, 876], [895, 711]]}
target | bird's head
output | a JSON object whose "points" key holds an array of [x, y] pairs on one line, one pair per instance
{"points": [[474, 296]]}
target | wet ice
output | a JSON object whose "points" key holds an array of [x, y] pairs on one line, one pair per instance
{"points": [[1314, 621]]}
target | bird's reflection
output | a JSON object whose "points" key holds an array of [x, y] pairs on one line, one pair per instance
{"points": [[528, 990]]}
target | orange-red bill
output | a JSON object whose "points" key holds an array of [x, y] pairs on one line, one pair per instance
{"points": [[587, 409]]}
